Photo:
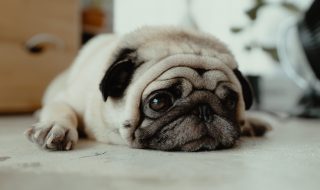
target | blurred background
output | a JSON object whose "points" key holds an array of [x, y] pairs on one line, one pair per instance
{"points": [[276, 43]]}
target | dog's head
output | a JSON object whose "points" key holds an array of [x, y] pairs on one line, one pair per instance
{"points": [[173, 89]]}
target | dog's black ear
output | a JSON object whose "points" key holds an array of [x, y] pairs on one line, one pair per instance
{"points": [[119, 75], [246, 89]]}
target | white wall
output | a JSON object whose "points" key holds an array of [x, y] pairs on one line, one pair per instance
{"points": [[130, 14]]}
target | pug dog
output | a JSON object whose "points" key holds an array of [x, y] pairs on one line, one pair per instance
{"points": [[162, 88]]}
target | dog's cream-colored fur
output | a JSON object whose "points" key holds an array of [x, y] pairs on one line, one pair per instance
{"points": [[73, 99]]}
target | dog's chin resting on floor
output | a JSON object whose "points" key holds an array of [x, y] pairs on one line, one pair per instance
{"points": [[162, 88]]}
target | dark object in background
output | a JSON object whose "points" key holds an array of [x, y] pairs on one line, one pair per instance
{"points": [[93, 22], [309, 35], [97, 18]]}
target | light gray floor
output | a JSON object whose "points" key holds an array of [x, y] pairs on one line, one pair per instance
{"points": [[287, 158]]}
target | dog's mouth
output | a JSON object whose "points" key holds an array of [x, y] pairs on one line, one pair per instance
{"points": [[189, 133], [205, 143]]}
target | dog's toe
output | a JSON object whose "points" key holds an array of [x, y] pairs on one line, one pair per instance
{"points": [[52, 136], [255, 128]]}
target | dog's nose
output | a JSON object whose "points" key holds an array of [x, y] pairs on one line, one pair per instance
{"points": [[204, 112]]}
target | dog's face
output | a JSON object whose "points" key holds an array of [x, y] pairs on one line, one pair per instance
{"points": [[181, 116], [178, 98]]}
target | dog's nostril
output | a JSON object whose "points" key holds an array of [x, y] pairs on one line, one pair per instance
{"points": [[204, 112]]}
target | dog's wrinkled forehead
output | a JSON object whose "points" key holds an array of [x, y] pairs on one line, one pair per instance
{"points": [[144, 48], [188, 79], [155, 43]]}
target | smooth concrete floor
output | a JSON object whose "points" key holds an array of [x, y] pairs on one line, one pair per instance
{"points": [[287, 158]]}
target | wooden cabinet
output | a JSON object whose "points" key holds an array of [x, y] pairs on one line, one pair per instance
{"points": [[38, 39]]}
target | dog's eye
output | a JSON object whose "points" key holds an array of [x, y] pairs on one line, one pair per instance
{"points": [[231, 99], [161, 102], [231, 103]]}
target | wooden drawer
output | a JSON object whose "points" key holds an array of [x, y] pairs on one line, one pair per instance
{"points": [[38, 39]]}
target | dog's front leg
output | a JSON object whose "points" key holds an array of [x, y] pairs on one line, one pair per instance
{"points": [[56, 129]]}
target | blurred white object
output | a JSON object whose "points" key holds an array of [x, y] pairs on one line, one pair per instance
{"points": [[298, 47], [293, 58], [269, 20]]}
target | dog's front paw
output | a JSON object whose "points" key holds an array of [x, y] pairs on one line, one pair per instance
{"points": [[254, 127], [52, 136]]}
